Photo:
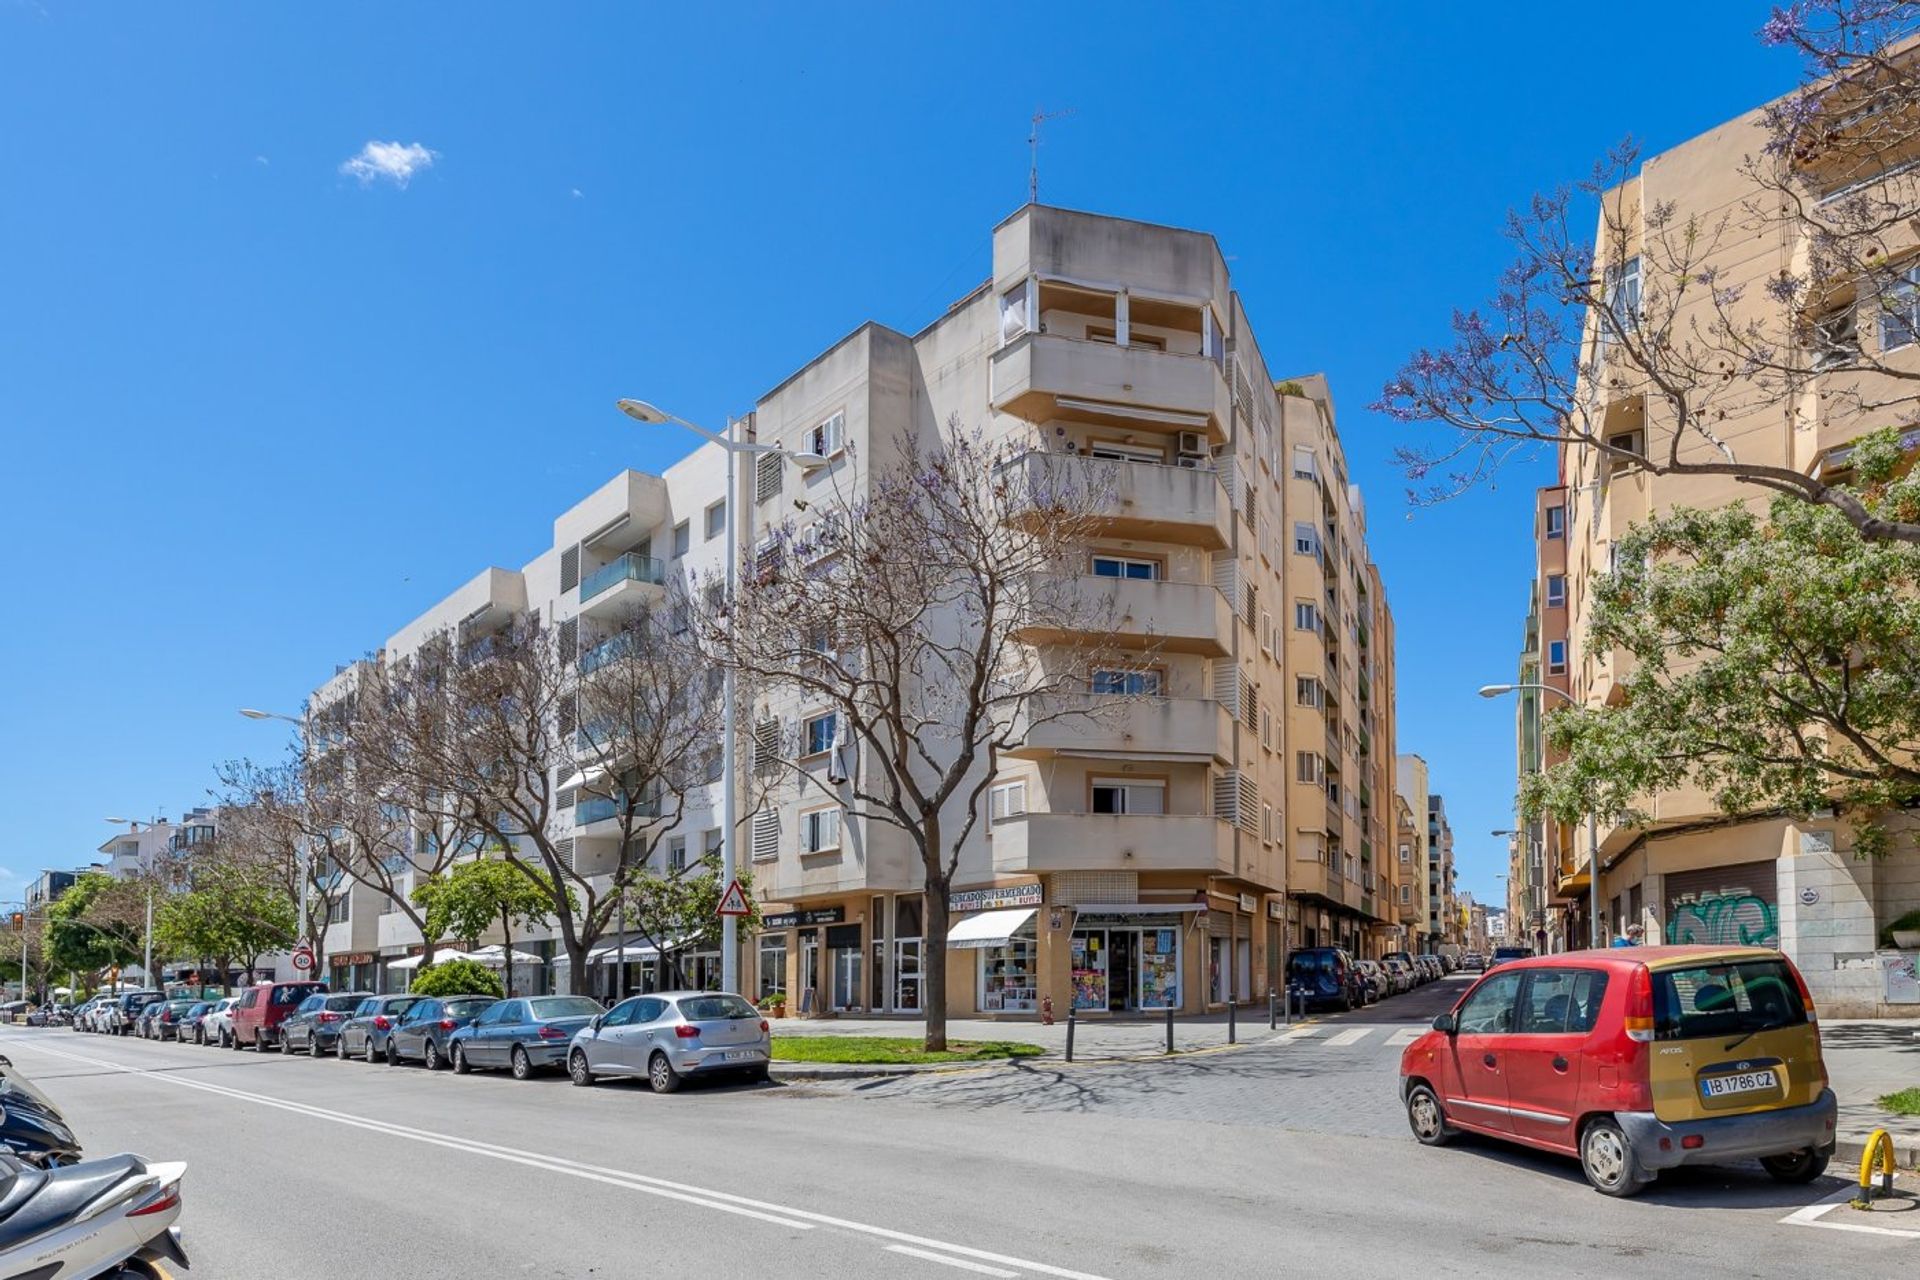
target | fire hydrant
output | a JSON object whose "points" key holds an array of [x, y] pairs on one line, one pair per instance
{"points": [[1046, 1011]]}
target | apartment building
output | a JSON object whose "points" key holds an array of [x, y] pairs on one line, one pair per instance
{"points": [[1443, 913], [1414, 842], [1690, 873], [1136, 861]]}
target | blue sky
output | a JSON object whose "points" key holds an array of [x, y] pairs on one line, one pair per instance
{"points": [[257, 412]]}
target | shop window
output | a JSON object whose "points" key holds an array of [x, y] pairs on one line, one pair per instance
{"points": [[773, 964], [1009, 977]]}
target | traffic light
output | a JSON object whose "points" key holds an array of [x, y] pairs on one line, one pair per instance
{"points": [[19, 921]]}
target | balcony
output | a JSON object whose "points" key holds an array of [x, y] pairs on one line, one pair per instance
{"points": [[1174, 617], [600, 815], [1113, 842], [1152, 502], [623, 582], [1041, 377], [1314, 879], [610, 650], [1092, 725]]}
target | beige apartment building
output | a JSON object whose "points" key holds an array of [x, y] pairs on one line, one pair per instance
{"points": [[1691, 873], [1166, 856], [1413, 852]]}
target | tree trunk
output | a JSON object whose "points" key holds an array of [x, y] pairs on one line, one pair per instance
{"points": [[933, 947], [577, 966], [506, 932]]}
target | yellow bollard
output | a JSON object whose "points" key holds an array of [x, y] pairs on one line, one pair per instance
{"points": [[1878, 1157]]}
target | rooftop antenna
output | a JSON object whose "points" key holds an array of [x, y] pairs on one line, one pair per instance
{"points": [[1040, 117]]}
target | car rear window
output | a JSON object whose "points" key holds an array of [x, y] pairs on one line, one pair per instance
{"points": [[1725, 998], [291, 995], [466, 1008], [713, 1008], [344, 1002], [1312, 961], [565, 1007]]}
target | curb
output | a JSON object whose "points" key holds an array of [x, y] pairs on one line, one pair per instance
{"points": [[1849, 1149]]}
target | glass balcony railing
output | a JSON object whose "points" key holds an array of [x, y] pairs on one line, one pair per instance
{"points": [[627, 568], [601, 808], [605, 652]]}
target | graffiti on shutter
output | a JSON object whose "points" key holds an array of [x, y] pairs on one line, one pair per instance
{"points": [[1733, 906]]}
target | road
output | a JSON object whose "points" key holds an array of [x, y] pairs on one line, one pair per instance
{"points": [[1282, 1157]]}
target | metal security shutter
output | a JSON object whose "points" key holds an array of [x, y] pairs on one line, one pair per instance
{"points": [[570, 568], [1723, 906]]}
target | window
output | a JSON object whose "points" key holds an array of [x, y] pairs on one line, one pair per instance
{"points": [[1489, 1010], [682, 538], [710, 842], [1556, 522], [1309, 768], [1559, 1001], [1624, 442], [1406, 895], [1556, 589], [1306, 539], [1900, 310], [1836, 337], [1136, 683], [1128, 795], [1406, 854], [1006, 800], [773, 963], [825, 438], [820, 831], [1729, 998], [1623, 296], [819, 732], [1105, 566], [1266, 823], [1017, 306], [338, 910], [1557, 657], [1303, 465], [716, 519], [1306, 616], [1309, 692], [676, 853]]}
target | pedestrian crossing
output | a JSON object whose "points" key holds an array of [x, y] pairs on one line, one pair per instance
{"points": [[1347, 1035]]}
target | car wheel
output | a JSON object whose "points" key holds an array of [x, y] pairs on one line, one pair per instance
{"points": [[313, 1047], [522, 1064], [372, 1057], [1607, 1159], [1796, 1166], [199, 1036], [577, 1069], [661, 1075], [430, 1055], [340, 1048], [459, 1061], [393, 1053], [1427, 1118]]}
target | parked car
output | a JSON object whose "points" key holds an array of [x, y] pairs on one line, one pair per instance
{"points": [[128, 1008], [669, 1036], [216, 1025], [1325, 978], [262, 1008], [82, 1017], [190, 1024], [1473, 962], [1399, 972], [1632, 1060], [365, 1033], [1373, 979], [1431, 964], [165, 1018], [316, 1023], [1505, 955], [522, 1035], [423, 1030]]}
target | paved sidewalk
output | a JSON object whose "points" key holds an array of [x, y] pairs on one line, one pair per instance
{"points": [[1866, 1059], [1094, 1039]]}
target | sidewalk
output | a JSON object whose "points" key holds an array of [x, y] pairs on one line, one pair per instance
{"points": [[1866, 1059]]}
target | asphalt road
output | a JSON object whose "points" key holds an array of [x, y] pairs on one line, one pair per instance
{"points": [[1280, 1158]]}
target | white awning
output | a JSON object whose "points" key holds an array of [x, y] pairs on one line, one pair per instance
{"points": [[988, 928], [634, 949], [585, 778], [490, 955], [1137, 908], [405, 962]]}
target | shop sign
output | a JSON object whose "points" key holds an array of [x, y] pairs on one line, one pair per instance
{"points": [[1276, 909], [803, 919], [1013, 895], [1248, 903], [351, 958]]}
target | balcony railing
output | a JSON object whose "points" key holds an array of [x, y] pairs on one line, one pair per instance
{"points": [[602, 808], [626, 568], [606, 651]]}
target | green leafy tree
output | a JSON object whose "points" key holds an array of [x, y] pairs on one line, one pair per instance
{"points": [[232, 911], [97, 925], [459, 977], [1775, 664], [472, 897], [675, 911]]}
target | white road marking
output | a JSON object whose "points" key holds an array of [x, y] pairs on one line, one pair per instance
{"points": [[1298, 1033], [1405, 1036], [962, 1263], [1353, 1036], [1811, 1215], [726, 1202]]}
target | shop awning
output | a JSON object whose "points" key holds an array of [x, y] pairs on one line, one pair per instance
{"points": [[988, 928], [632, 950], [1137, 908]]}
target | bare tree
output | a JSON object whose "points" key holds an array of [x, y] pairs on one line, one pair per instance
{"points": [[1643, 342], [939, 615], [267, 827]]}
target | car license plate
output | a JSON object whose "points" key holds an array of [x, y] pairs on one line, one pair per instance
{"points": [[1744, 1082], [741, 1055]]}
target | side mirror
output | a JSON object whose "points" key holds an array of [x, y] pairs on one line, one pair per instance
{"points": [[598, 1019], [1446, 1023]]}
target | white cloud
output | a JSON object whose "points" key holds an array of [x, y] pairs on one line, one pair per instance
{"points": [[577, 194], [393, 161]]}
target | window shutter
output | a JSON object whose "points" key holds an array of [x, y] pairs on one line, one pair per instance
{"points": [[566, 797], [766, 834], [1249, 705], [766, 745], [1236, 798], [570, 568], [569, 640], [569, 715], [770, 475]]}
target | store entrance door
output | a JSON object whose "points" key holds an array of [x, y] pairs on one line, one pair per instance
{"points": [[809, 971], [1120, 969], [906, 969]]}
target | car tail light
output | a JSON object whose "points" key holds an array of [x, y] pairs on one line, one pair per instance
{"points": [[686, 1032], [1806, 996], [764, 1026], [332, 1017], [165, 1198], [552, 1033], [446, 1024], [381, 1022], [1638, 1021]]}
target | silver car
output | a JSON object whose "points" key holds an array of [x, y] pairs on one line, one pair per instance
{"points": [[671, 1035]]}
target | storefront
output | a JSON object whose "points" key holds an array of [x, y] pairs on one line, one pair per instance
{"points": [[1129, 956], [646, 969], [996, 926], [354, 971]]}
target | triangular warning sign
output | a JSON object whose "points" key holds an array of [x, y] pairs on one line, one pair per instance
{"points": [[733, 902]]}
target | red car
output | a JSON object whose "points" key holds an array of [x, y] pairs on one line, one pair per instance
{"points": [[262, 1008]]}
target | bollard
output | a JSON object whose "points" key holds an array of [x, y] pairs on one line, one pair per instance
{"points": [[1233, 1028], [1273, 1013], [1072, 1022], [1169, 1028]]}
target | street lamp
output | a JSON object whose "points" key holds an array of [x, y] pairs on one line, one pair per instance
{"points": [[133, 827], [306, 759], [642, 411], [1593, 826]]}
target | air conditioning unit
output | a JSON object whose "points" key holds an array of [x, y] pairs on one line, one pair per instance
{"points": [[1193, 461], [1190, 442]]}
